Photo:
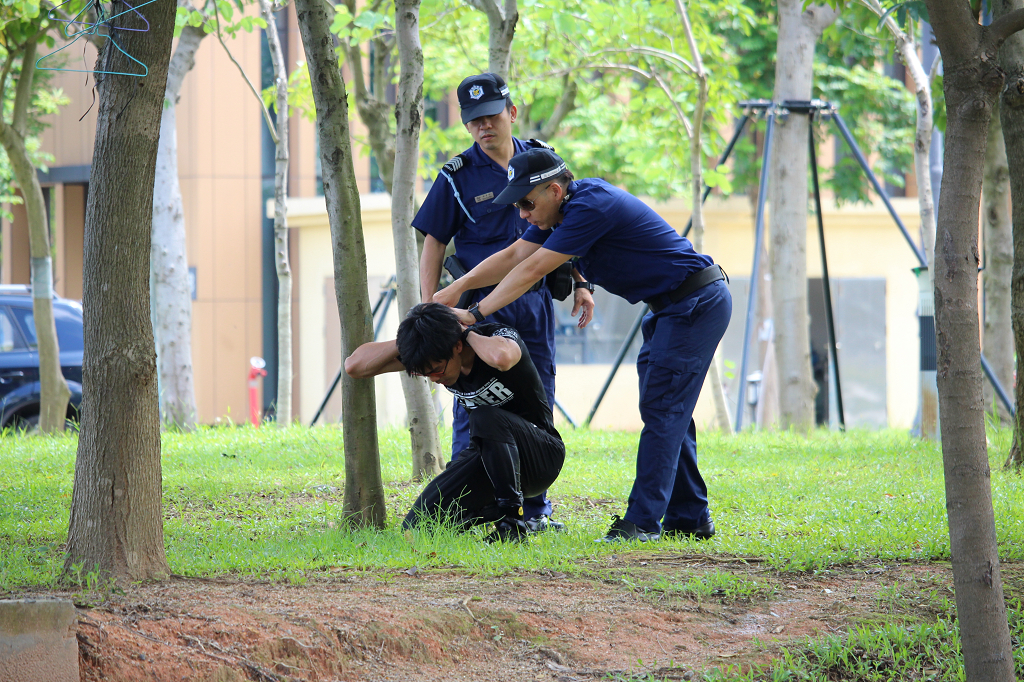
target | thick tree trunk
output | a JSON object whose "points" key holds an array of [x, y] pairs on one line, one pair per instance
{"points": [[426, 444], [972, 84], [799, 30], [998, 241], [1011, 60], [170, 291], [364, 491], [116, 521], [53, 388], [284, 270]]}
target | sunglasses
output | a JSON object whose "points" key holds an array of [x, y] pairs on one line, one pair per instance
{"points": [[437, 373], [528, 204]]}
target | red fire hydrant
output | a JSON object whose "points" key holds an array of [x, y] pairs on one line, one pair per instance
{"points": [[256, 365]]}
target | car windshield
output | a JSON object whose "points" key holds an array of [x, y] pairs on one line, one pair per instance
{"points": [[69, 327]]}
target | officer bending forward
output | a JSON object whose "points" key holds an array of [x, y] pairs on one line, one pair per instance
{"points": [[514, 448]]}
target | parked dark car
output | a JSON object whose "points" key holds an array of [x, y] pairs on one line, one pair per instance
{"points": [[19, 359]]}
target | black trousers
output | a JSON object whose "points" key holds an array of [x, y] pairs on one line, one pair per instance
{"points": [[508, 458]]}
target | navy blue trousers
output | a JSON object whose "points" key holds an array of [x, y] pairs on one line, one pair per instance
{"points": [[679, 344], [533, 316]]}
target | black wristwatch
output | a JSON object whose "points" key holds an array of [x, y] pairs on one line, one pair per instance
{"points": [[589, 286], [475, 310]]}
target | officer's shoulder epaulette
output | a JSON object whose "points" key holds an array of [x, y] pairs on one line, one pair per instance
{"points": [[540, 143], [456, 163]]}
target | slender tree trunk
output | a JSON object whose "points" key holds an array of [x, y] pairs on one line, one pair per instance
{"points": [[364, 491], [116, 521], [376, 114], [171, 294], [1011, 110], [972, 85], [284, 270], [697, 181], [799, 30], [53, 388], [998, 236], [426, 444]]}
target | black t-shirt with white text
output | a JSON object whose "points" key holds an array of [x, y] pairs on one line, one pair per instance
{"points": [[519, 390]]}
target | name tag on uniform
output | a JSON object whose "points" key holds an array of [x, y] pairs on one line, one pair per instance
{"points": [[484, 197]]}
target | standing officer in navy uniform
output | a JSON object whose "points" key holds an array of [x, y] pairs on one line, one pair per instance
{"points": [[461, 206], [627, 248]]}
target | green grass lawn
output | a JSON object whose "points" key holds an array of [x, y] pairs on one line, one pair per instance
{"points": [[267, 501]]}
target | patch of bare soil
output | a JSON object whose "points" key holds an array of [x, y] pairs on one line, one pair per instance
{"points": [[445, 625]]}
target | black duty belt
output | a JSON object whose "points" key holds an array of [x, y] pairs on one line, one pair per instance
{"points": [[695, 281]]}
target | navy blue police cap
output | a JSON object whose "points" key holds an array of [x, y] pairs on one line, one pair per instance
{"points": [[482, 95], [528, 169]]}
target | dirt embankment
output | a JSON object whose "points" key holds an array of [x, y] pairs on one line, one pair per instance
{"points": [[625, 619]]}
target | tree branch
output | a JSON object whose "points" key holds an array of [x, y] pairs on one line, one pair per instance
{"points": [[23, 94], [565, 106], [49, 7], [1005, 26], [259, 97], [679, 112]]}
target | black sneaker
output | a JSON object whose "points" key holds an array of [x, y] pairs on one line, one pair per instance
{"points": [[508, 529], [624, 531], [542, 523], [703, 532]]}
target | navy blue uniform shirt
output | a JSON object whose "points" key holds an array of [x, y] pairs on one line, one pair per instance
{"points": [[621, 243], [478, 182]]}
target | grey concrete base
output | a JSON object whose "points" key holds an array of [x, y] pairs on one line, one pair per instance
{"points": [[37, 640]]}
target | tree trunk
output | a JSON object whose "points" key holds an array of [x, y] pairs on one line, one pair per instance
{"points": [[426, 444], [972, 84], [1011, 60], [364, 491], [116, 521], [799, 29], [171, 304], [284, 270], [998, 242], [697, 182], [53, 388], [502, 17], [375, 113]]}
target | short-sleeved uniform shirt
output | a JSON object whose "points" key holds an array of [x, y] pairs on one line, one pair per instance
{"points": [[479, 181], [621, 243], [518, 390]]}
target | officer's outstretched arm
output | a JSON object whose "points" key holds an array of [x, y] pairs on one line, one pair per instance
{"points": [[499, 352], [371, 359], [490, 271], [430, 267], [519, 280]]}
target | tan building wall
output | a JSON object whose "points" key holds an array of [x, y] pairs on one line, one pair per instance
{"points": [[862, 241]]}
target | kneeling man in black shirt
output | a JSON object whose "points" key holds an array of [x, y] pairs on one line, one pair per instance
{"points": [[514, 448]]}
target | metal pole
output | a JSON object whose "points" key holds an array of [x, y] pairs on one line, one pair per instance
{"points": [[721, 160], [384, 295], [1000, 391], [565, 413], [762, 195], [852, 144], [618, 361], [829, 320]]}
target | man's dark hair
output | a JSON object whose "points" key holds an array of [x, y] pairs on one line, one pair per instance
{"points": [[565, 178], [427, 336]]}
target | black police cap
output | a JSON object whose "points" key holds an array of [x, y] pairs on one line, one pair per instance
{"points": [[528, 169], [482, 95]]}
